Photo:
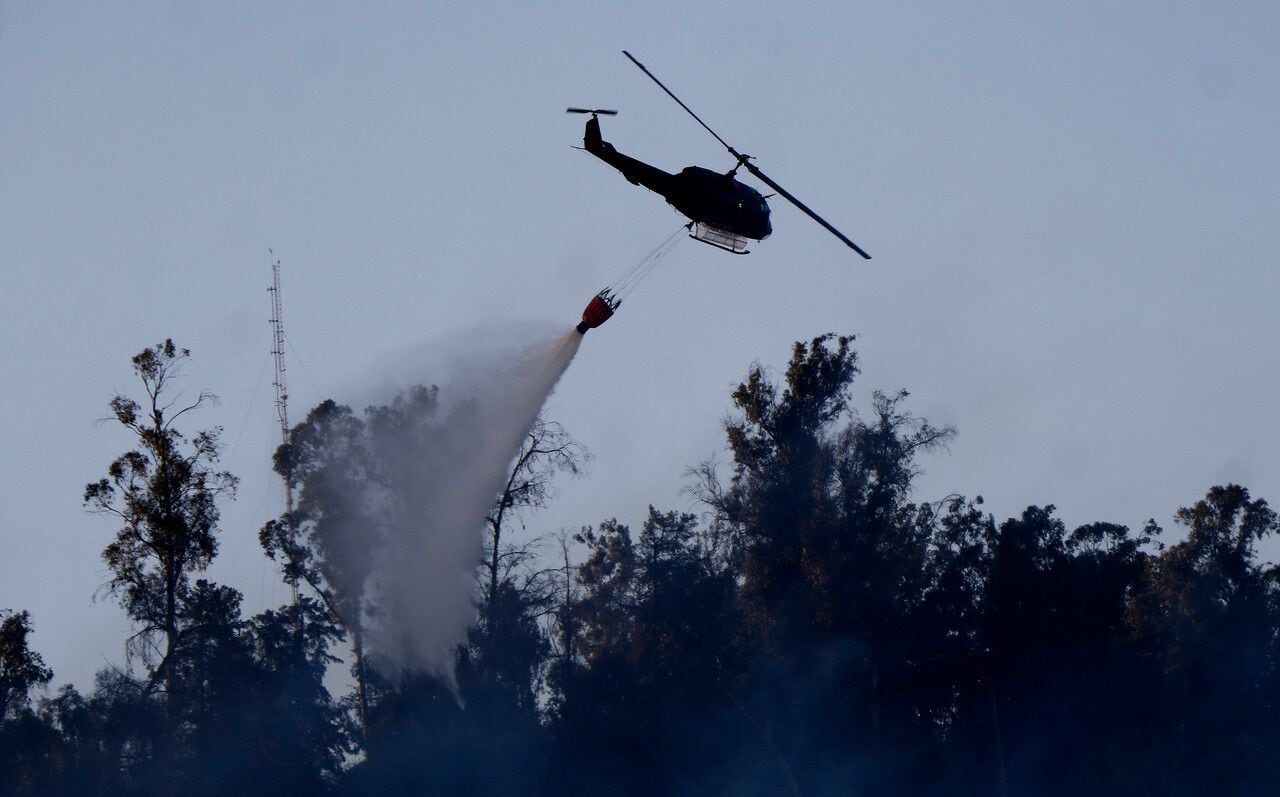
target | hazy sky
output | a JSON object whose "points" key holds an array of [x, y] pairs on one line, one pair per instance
{"points": [[1072, 208]]}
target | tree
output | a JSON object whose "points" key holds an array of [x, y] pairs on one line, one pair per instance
{"points": [[834, 565], [781, 494], [21, 669], [1206, 616], [507, 650], [28, 744], [661, 649], [165, 494], [547, 450], [328, 543], [301, 735], [565, 664]]}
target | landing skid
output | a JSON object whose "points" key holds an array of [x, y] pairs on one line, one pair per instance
{"points": [[720, 239], [721, 246]]}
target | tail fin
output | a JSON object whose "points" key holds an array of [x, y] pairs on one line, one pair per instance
{"points": [[592, 139]]}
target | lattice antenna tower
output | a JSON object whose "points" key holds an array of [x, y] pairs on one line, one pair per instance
{"points": [[277, 351]]}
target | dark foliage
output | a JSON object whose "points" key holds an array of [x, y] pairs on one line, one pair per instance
{"points": [[816, 630]]}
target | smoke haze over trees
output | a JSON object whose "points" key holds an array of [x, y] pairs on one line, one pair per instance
{"points": [[813, 627]]}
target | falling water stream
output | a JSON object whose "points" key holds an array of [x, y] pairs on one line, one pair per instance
{"points": [[423, 582]]}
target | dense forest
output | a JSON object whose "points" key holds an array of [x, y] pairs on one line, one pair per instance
{"points": [[815, 629]]}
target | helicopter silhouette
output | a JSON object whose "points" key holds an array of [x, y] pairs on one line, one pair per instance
{"points": [[723, 212]]}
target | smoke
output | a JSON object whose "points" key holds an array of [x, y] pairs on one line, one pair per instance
{"points": [[450, 453]]}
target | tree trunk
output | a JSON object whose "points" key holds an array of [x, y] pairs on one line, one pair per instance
{"points": [[1002, 776], [875, 708], [362, 696]]}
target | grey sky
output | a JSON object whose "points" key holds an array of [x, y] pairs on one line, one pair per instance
{"points": [[1072, 209]]}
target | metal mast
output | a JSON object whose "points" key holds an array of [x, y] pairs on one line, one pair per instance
{"points": [[277, 351]]}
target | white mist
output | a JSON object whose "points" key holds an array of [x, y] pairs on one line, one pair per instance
{"points": [[423, 580]]}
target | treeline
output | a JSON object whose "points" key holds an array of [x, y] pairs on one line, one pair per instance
{"points": [[813, 630]]}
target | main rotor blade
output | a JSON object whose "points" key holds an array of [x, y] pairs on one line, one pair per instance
{"points": [[764, 178], [591, 110], [724, 143]]}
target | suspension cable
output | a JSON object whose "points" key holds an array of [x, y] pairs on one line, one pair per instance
{"points": [[633, 276]]}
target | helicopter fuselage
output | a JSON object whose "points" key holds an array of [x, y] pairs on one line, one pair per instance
{"points": [[703, 195]]}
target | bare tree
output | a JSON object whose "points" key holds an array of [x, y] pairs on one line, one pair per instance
{"points": [[547, 450]]}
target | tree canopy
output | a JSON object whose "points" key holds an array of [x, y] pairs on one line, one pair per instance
{"points": [[806, 624]]}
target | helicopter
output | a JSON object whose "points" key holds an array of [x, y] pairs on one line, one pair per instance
{"points": [[723, 212]]}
